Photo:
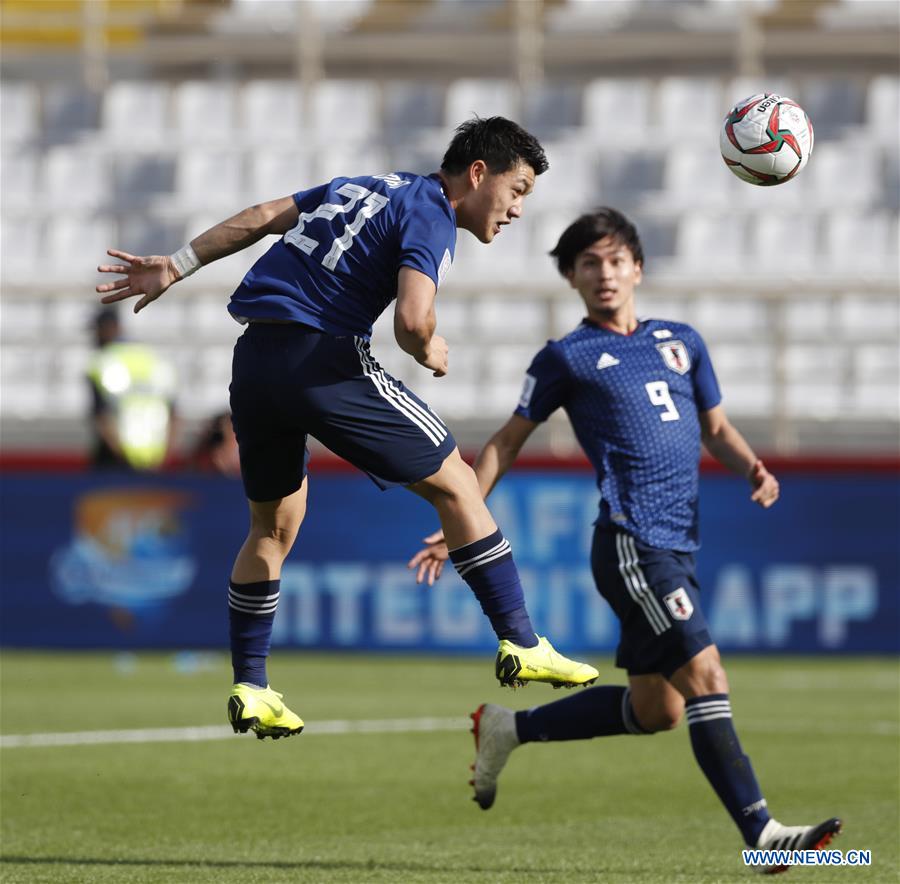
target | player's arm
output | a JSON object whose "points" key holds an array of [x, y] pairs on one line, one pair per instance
{"points": [[497, 456], [415, 320], [500, 452], [731, 449], [150, 275]]}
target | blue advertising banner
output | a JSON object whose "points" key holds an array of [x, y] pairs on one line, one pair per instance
{"points": [[132, 562]]}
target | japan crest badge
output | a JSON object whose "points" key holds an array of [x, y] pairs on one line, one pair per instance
{"points": [[679, 604], [675, 355]]}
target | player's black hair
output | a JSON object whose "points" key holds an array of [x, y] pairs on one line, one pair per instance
{"points": [[501, 143], [589, 228]]}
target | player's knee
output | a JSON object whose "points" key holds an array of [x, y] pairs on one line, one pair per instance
{"points": [[710, 678], [666, 720], [655, 715], [715, 681], [454, 481], [702, 675], [280, 536], [660, 718]]}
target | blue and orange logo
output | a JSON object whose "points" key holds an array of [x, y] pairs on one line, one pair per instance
{"points": [[130, 550]]}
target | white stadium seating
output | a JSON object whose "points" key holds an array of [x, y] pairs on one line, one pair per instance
{"points": [[147, 164]]}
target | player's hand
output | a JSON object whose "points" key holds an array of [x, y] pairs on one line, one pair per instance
{"points": [[148, 276], [437, 356], [765, 485], [430, 561]]}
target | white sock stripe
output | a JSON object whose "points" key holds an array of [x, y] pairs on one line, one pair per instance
{"points": [[428, 422], [652, 601], [246, 597], [476, 565], [627, 562], [246, 609], [269, 603], [715, 705], [712, 716], [481, 555]]}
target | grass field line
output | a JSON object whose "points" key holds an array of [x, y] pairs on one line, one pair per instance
{"points": [[387, 726], [224, 732]]}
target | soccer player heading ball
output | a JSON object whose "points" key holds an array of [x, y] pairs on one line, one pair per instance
{"points": [[347, 249], [641, 396]]}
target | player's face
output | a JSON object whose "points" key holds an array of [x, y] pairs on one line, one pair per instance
{"points": [[495, 199], [605, 275]]}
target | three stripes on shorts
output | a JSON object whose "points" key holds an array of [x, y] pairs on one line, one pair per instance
{"points": [[425, 419], [637, 586]]}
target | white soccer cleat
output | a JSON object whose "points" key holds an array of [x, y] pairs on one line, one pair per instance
{"points": [[494, 728], [778, 837]]}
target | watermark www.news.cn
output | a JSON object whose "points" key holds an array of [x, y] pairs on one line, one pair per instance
{"points": [[807, 857]]}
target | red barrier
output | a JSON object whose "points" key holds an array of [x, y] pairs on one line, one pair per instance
{"points": [[75, 462]]}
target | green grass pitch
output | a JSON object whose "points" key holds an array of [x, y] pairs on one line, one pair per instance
{"points": [[379, 807]]}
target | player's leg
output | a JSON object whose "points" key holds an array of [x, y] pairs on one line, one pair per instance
{"points": [[252, 601], [380, 426], [654, 704], [649, 704], [477, 547], [483, 559], [704, 685], [255, 582], [669, 635], [273, 468]]}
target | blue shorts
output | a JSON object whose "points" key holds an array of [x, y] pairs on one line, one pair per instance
{"points": [[655, 595], [289, 381]]}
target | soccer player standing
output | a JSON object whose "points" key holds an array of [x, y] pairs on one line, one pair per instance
{"points": [[641, 396], [347, 249]]}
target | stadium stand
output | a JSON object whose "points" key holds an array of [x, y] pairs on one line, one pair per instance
{"points": [[167, 147]]}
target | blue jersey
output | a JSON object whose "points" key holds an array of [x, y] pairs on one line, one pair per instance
{"points": [[336, 270], [634, 403]]}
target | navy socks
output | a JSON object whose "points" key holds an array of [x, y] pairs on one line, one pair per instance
{"points": [[606, 711], [720, 756], [487, 566], [594, 712], [251, 612]]}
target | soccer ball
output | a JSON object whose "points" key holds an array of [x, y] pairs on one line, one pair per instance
{"points": [[766, 139]]}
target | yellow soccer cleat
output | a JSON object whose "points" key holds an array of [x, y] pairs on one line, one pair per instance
{"points": [[517, 666], [262, 711]]}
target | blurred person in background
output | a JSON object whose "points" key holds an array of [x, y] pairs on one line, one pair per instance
{"points": [[133, 420], [642, 396], [346, 250], [216, 449]]}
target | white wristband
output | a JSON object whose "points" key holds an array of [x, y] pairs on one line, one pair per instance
{"points": [[186, 261]]}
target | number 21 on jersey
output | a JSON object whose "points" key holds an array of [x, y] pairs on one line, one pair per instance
{"points": [[372, 205], [659, 394]]}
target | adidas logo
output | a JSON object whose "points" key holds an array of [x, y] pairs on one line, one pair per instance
{"points": [[607, 360]]}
